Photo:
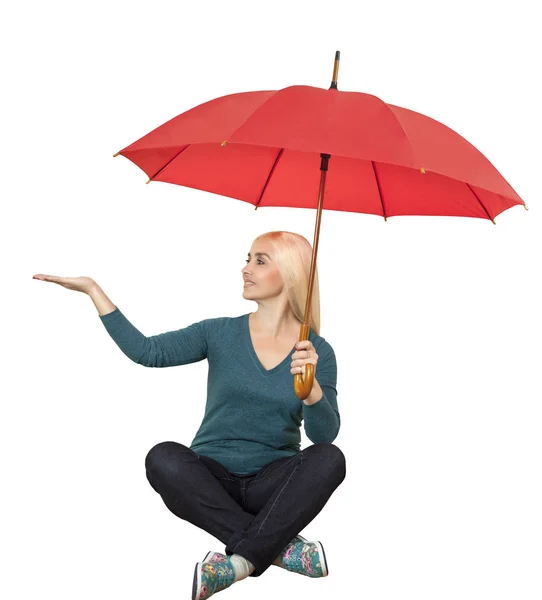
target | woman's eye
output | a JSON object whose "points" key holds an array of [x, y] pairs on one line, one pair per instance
{"points": [[259, 260]]}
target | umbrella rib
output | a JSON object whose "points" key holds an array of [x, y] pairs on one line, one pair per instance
{"points": [[168, 162], [379, 190], [404, 131], [269, 177], [481, 203]]}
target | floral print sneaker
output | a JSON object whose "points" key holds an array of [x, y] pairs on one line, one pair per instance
{"points": [[211, 575], [306, 558], [299, 556]]}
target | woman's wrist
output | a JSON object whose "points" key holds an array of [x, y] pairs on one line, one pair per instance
{"points": [[316, 394], [102, 303]]}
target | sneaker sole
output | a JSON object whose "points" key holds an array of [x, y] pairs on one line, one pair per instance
{"points": [[196, 584], [323, 560]]}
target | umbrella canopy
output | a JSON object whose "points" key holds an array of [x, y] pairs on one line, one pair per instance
{"points": [[264, 148], [276, 147]]}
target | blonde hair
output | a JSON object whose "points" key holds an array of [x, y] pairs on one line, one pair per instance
{"points": [[293, 253]]}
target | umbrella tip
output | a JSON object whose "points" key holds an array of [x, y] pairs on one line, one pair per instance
{"points": [[525, 206], [148, 181], [335, 77], [116, 154]]}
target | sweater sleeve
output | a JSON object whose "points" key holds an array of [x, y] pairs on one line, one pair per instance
{"points": [[178, 347], [322, 420]]}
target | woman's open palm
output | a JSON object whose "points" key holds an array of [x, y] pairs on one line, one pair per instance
{"points": [[79, 284]]}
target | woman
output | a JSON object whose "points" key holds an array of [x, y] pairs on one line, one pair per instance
{"points": [[244, 478]]}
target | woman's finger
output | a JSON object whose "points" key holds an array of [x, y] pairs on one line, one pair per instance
{"points": [[45, 277]]}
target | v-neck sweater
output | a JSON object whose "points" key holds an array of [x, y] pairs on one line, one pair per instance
{"points": [[252, 415]]}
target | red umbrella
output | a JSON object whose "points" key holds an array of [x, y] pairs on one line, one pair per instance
{"points": [[274, 148]]}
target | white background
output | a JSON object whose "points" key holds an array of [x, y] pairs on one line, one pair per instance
{"points": [[435, 321]]}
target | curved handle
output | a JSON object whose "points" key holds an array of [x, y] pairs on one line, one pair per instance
{"points": [[302, 390]]}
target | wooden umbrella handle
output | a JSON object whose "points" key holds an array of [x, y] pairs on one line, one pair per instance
{"points": [[302, 390]]}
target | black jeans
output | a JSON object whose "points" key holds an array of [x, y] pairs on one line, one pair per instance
{"points": [[254, 515]]}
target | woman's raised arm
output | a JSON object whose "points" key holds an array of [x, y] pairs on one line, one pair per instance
{"points": [[177, 347]]}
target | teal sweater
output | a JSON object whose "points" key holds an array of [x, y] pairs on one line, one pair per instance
{"points": [[252, 415]]}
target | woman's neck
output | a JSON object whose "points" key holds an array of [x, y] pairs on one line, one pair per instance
{"points": [[276, 326]]}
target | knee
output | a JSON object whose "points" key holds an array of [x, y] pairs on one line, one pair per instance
{"points": [[155, 455], [331, 456], [162, 457]]}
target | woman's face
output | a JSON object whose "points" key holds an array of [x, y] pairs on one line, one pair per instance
{"points": [[262, 271]]}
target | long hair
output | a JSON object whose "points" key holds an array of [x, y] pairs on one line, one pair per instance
{"points": [[293, 257]]}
